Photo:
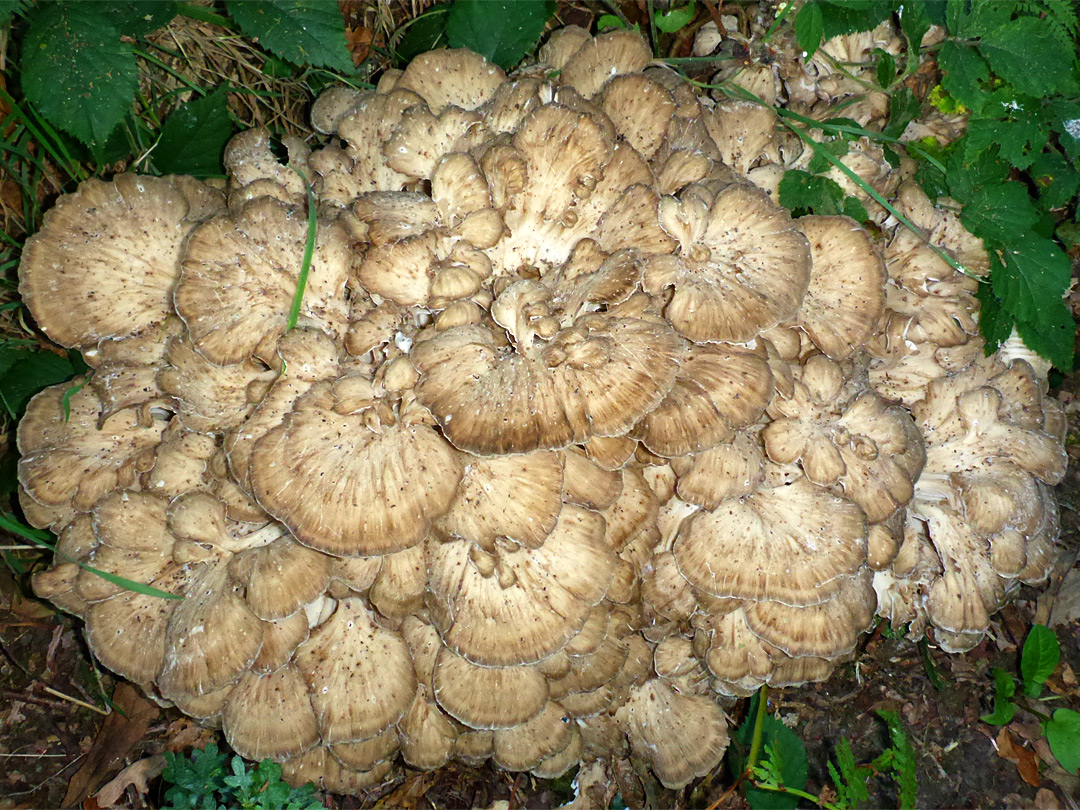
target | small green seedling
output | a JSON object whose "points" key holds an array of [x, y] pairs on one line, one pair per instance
{"points": [[1038, 660]]}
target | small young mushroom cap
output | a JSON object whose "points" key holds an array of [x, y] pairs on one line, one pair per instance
{"points": [[556, 765], [426, 735], [741, 267], [360, 675], [280, 578], [280, 640], [641, 110], [742, 130], [398, 590], [370, 123], [181, 463], [456, 77], [233, 310], [599, 59], [794, 543], [524, 746], [132, 542], [423, 138], [681, 736], [725, 471], [114, 248], [563, 43], [347, 485], [518, 497], [366, 754], [597, 377], [488, 697], [587, 484], [69, 456], [211, 636], [57, 584], [125, 369], [719, 389], [254, 170], [331, 106], [632, 512], [846, 296], [537, 602], [269, 715]]}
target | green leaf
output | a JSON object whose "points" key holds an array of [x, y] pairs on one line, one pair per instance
{"points": [[423, 33], [1019, 139], [884, 67], [854, 208], [137, 18], [1039, 659], [903, 759], [964, 72], [1004, 708], [1003, 212], [849, 778], [840, 17], [503, 31], [903, 108], [995, 321], [1026, 54], [788, 760], [1030, 277], [11, 8], [1063, 734], [968, 19], [1052, 335], [77, 72], [609, 21], [307, 32], [914, 22], [676, 19], [29, 373], [809, 29], [193, 138], [967, 177], [1055, 179], [805, 193], [837, 147]]}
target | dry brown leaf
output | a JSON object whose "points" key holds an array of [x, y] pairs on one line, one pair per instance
{"points": [[138, 774], [185, 734], [1046, 799], [116, 737], [410, 793], [1027, 764]]}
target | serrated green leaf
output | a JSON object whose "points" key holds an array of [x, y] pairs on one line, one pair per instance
{"points": [[809, 28], [194, 136], [854, 208], [1063, 734], [1026, 54], [995, 321], [10, 8], [30, 373], [849, 778], [1004, 708], [137, 18], [503, 31], [307, 32], [1055, 179], [675, 19], [805, 193], [838, 147], [963, 74], [1039, 659], [884, 67], [967, 177], [903, 759], [423, 33], [914, 22], [968, 19], [1052, 335], [1030, 278], [789, 761], [903, 108], [1003, 212], [1019, 139], [839, 17], [77, 72]]}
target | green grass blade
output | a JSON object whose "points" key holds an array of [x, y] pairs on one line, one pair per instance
{"points": [[309, 251]]}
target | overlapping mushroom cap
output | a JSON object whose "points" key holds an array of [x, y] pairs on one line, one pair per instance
{"points": [[576, 432]]}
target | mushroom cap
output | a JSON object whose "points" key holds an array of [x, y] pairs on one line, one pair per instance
{"points": [[133, 222], [280, 578], [456, 77], [600, 58], [426, 735], [391, 481], [269, 715], [488, 697]]}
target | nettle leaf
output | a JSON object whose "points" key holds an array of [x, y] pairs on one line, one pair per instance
{"points": [[1001, 212], [1004, 708], [194, 136], [676, 19], [1020, 139], [1056, 180], [1026, 54], [1063, 734], [503, 31], [307, 32], [914, 22], [809, 29], [77, 72], [964, 72], [805, 193], [839, 17], [1039, 659], [995, 321]]}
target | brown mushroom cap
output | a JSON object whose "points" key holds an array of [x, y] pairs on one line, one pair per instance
{"points": [[455, 77], [114, 248], [269, 715]]}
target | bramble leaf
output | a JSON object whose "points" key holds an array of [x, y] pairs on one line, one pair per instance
{"points": [[884, 67], [11, 8], [193, 138], [805, 193], [305, 32], [809, 29], [77, 72], [25, 372], [1028, 56], [503, 31], [963, 71], [1063, 734], [914, 22], [1001, 212], [423, 33], [969, 20], [1030, 277], [1004, 708], [1019, 139], [1039, 659], [840, 17], [137, 18], [1056, 180], [966, 177], [995, 321], [903, 108], [1051, 335], [676, 19]]}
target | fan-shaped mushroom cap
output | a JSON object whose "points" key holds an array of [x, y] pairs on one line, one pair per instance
{"points": [[427, 736], [360, 676], [398, 589], [331, 106], [741, 266], [279, 578], [597, 377], [488, 697], [599, 59], [235, 311], [70, 456], [794, 543], [641, 110], [537, 602], [456, 77], [556, 765], [114, 248], [390, 480], [742, 131], [846, 296], [125, 369], [681, 736], [269, 715], [526, 745]]}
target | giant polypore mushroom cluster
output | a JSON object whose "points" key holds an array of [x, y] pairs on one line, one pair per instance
{"points": [[578, 432]]}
